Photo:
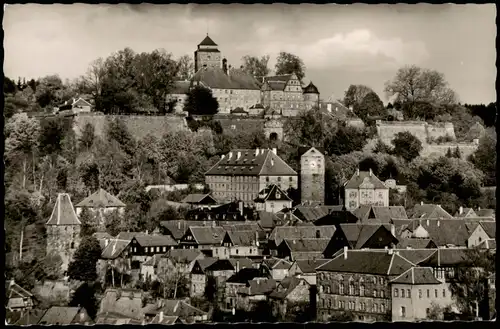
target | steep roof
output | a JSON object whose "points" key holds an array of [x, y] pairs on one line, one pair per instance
{"points": [[258, 286], [490, 228], [446, 232], [244, 275], [466, 212], [101, 199], [149, 240], [429, 211], [417, 276], [13, 290], [277, 264], [206, 262], [199, 198], [310, 265], [268, 220], [207, 42], [60, 315], [63, 212], [242, 238], [413, 243], [368, 262], [358, 234], [180, 87], [364, 179], [207, 235], [313, 213], [248, 162], [216, 78], [311, 89], [30, 317], [272, 193], [488, 244], [241, 226], [178, 227], [379, 214], [485, 213], [173, 307], [285, 287], [307, 245], [117, 245], [281, 233], [446, 257], [183, 255]]}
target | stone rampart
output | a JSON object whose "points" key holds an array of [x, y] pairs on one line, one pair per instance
{"points": [[387, 130]]}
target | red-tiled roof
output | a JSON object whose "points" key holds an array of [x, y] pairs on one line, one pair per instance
{"points": [[245, 162], [417, 276], [63, 212], [101, 199]]}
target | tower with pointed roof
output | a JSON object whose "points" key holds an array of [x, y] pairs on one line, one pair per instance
{"points": [[311, 96], [63, 230], [312, 177], [207, 55]]}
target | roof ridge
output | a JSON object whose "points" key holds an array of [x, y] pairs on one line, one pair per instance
{"points": [[390, 264]]}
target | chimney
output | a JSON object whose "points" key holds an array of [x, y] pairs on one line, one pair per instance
{"points": [[275, 150], [239, 155], [256, 151], [357, 172], [161, 316], [461, 210], [205, 66], [237, 266], [213, 223], [393, 230], [230, 154], [351, 108], [370, 172], [329, 107], [345, 252], [438, 222], [241, 67], [427, 222], [240, 205], [223, 156], [256, 238], [421, 203], [390, 251]]}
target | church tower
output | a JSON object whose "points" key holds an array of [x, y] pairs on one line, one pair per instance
{"points": [[63, 230], [312, 177], [207, 55]]}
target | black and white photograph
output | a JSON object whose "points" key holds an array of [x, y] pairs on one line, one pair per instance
{"points": [[249, 163]]}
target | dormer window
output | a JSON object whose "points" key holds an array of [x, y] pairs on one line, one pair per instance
{"points": [[278, 195]]}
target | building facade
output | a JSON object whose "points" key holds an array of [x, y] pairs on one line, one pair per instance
{"points": [[243, 173], [364, 188], [207, 54], [312, 177]]}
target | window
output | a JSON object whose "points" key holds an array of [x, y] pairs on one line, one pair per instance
{"points": [[328, 289], [381, 280], [382, 308], [146, 249], [267, 179], [408, 293], [279, 179], [381, 294], [351, 289], [361, 290], [427, 311], [330, 303], [428, 293], [402, 312], [72, 245], [341, 289], [396, 292], [374, 293], [444, 292], [290, 179], [402, 293], [375, 308], [436, 293], [419, 293]]}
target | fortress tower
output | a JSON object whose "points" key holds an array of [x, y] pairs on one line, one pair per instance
{"points": [[312, 177], [207, 55], [63, 230]]}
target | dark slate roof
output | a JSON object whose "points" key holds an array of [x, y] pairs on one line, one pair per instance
{"points": [[364, 177], [307, 245], [198, 198], [115, 319], [207, 42], [446, 257], [178, 227], [413, 243], [311, 89], [490, 228], [205, 235], [215, 77], [488, 244], [241, 226], [173, 307], [183, 255], [379, 214], [244, 275], [338, 110], [285, 287], [63, 212], [272, 193], [60, 315], [167, 319], [242, 238], [278, 78], [417, 276], [180, 87], [312, 213], [266, 163], [301, 232], [239, 110], [310, 265], [368, 262], [101, 199], [13, 290], [358, 234], [149, 240], [429, 211], [268, 220], [30, 317], [277, 263], [258, 286], [206, 262], [446, 232]]}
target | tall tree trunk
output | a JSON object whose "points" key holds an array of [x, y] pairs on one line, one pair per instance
{"points": [[24, 173], [113, 275], [176, 284], [33, 165], [21, 243]]}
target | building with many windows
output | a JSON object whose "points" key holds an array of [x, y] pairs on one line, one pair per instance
{"points": [[364, 188], [243, 173]]}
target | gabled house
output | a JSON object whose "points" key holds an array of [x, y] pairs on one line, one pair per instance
{"points": [[199, 276], [281, 233], [176, 228], [444, 233], [272, 199], [62, 315], [361, 236], [29, 317], [236, 281], [200, 201], [239, 244], [111, 318], [203, 238], [302, 249], [125, 302], [488, 244], [306, 269], [268, 221], [174, 308], [484, 231], [76, 105], [311, 214], [117, 256], [17, 299], [485, 213], [256, 290], [146, 245], [336, 216], [100, 204], [275, 268], [290, 293], [376, 214], [222, 269], [364, 188], [465, 212], [425, 211]]}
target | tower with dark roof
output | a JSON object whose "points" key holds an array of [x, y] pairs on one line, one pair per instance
{"points": [[311, 96], [207, 55], [312, 177]]}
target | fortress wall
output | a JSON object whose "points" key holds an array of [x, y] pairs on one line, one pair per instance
{"points": [[435, 131], [138, 125], [466, 149], [387, 130]]}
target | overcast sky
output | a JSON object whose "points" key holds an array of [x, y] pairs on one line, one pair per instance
{"points": [[339, 44]]}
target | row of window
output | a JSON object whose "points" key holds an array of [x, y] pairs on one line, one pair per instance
{"points": [[407, 293], [353, 306], [371, 279], [354, 292], [152, 249]]}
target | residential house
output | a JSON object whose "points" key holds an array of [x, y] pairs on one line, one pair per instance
{"points": [[243, 173], [306, 269], [465, 212], [63, 315], [199, 276], [425, 211], [290, 295], [398, 184], [484, 231], [28, 317], [311, 213], [268, 221], [302, 249], [231, 211], [364, 188], [100, 204], [255, 291], [490, 244], [339, 112], [357, 281], [17, 299], [272, 199], [117, 257], [146, 245], [76, 105], [361, 236], [165, 319], [176, 228], [338, 215], [222, 269], [111, 318], [125, 302], [239, 244], [104, 238], [377, 214], [206, 238], [444, 233], [198, 200], [173, 308], [276, 268], [281, 233], [236, 281], [415, 292]]}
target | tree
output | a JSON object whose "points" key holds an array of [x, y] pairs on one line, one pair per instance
{"points": [[343, 316], [406, 145], [412, 84], [309, 128], [200, 101], [87, 137], [185, 67], [51, 135], [173, 280], [92, 82], [485, 157], [116, 130], [355, 94], [370, 106], [345, 140], [85, 296], [83, 266], [287, 63], [9, 86], [89, 225], [448, 153], [437, 312], [457, 153], [257, 67], [469, 284], [381, 147]]}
